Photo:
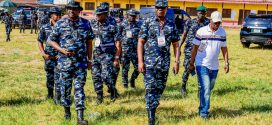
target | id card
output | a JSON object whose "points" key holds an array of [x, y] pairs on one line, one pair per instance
{"points": [[129, 34], [97, 42], [202, 46], [161, 41]]}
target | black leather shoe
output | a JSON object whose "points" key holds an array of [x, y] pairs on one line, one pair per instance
{"points": [[50, 94], [80, 118], [183, 90], [67, 114]]}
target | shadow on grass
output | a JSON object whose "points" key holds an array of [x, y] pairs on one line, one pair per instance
{"points": [[19, 101], [258, 108], [269, 47], [224, 91], [229, 113]]}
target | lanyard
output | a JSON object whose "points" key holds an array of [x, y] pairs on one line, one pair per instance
{"points": [[161, 27]]}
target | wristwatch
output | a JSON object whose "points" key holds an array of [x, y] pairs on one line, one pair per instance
{"points": [[116, 57], [89, 61]]}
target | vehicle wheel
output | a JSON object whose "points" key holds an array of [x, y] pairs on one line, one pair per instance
{"points": [[246, 45]]}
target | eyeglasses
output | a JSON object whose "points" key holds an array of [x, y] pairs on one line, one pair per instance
{"points": [[217, 23], [160, 8]]}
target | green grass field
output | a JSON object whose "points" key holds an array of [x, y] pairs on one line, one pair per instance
{"points": [[244, 96]]}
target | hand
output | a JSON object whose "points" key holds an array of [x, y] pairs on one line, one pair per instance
{"points": [[46, 56], [176, 68], [116, 63], [57, 57], [226, 68], [89, 65], [68, 53], [141, 67], [191, 67]]}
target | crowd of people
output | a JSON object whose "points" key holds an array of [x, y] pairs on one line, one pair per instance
{"points": [[103, 45]]}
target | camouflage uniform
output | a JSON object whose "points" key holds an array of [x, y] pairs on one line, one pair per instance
{"points": [[191, 26], [156, 59], [34, 18], [44, 19], [8, 25], [22, 22], [52, 71], [103, 56], [72, 35], [129, 49]]}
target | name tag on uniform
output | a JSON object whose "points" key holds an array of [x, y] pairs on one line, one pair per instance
{"points": [[97, 42], [161, 41], [129, 34]]}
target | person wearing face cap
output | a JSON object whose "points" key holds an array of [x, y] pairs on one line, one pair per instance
{"points": [[72, 37], [22, 21], [106, 5], [50, 55], [8, 24], [208, 42], [155, 37], [190, 28], [106, 52], [129, 30]]}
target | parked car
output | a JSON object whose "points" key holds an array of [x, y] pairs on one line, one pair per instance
{"points": [[256, 29], [15, 15], [171, 14]]}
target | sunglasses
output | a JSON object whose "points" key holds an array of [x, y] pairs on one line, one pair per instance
{"points": [[160, 8], [217, 23]]}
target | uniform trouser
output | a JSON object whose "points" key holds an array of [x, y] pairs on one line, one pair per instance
{"points": [[102, 71], [33, 26], [186, 64], [126, 59], [78, 76], [155, 82], [22, 27], [115, 74], [52, 75], [8, 30]]}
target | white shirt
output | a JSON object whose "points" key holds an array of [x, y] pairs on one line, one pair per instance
{"points": [[210, 44]]}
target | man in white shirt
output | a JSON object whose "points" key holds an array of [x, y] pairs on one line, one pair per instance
{"points": [[208, 42]]}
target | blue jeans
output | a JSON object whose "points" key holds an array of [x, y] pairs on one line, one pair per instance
{"points": [[206, 78]]}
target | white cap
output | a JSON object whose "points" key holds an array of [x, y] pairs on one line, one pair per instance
{"points": [[216, 16]]}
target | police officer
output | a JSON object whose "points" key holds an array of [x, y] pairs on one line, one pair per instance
{"points": [[22, 21], [8, 24], [106, 52], [34, 18], [107, 6], [190, 28], [156, 35], [72, 37], [50, 55], [129, 30]]}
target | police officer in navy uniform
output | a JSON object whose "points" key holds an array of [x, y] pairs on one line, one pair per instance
{"points": [[129, 30], [106, 54], [190, 28], [72, 37], [8, 24], [156, 35]]}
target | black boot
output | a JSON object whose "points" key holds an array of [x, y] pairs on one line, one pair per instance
{"points": [[80, 119], [126, 86], [57, 98], [132, 83], [50, 94], [151, 116], [113, 94], [99, 99], [183, 90], [67, 114]]}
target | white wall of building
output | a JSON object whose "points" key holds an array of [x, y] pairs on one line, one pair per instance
{"points": [[62, 1]]}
